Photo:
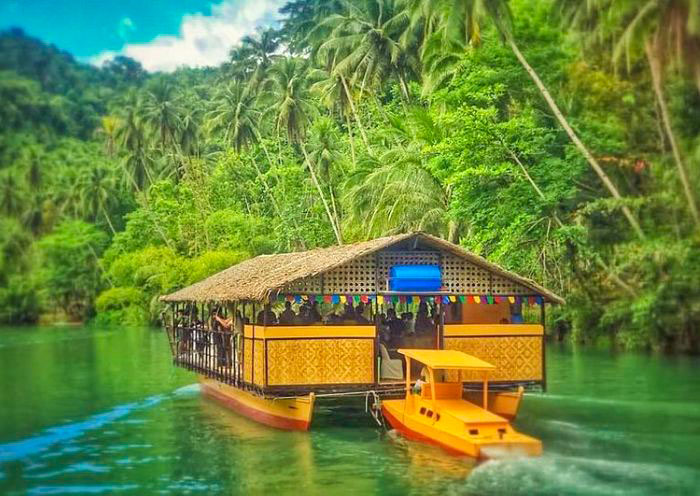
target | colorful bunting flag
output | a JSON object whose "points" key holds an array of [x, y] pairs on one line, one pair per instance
{"points": [[394, 299], [446, 300], [380, 299], [343, 299], [409, 300], [356, 299], [335, 299], [477, 299], [312, 298], [489, 300], [402, 299], [297, 298], [364, 299], [327, 298], [462, 298], [539, 300], [452, 298], [531, 300], [511, 299]]}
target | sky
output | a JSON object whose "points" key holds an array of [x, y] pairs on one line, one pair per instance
{"points": [[161, 34]]}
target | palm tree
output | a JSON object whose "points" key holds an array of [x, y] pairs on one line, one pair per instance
{"points": [[108, 130], [665, 31], [331, 91], [97, 186], [287, 89], [260, 49], [236, 116], [160, 110], [326, 157], [366, 42], [11, 196], [458, 23], [397, 192]]}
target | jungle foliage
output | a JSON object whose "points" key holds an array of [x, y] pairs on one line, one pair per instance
{"points": [[558, 138]]}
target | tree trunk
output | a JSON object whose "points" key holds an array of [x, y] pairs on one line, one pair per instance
{"points": [[335, 209], [336, 230], [352, 141], [354, 113], [655, 69], [575, 139], [104, 212]]}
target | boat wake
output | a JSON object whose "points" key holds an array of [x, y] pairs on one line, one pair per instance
{"points": [[48, 437]]}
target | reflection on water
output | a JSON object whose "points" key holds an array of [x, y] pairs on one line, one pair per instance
{"points": [[103, 412]]}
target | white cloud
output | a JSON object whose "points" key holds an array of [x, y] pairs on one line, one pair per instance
{"points": [[203, 40]]}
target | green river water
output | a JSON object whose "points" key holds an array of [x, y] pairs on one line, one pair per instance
{"points": [[90, 411]]}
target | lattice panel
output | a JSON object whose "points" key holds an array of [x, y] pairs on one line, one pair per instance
{"points": [[517, 358], [503, 286], [460, 276], [360, 276], [308, 285], [320, 361], [356, 277]]}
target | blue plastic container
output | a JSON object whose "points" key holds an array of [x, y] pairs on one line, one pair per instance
{"points": [[415, 278]]}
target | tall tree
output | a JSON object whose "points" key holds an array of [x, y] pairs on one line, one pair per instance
{"points": [[287, 90], [665, 31], [459, 24]]}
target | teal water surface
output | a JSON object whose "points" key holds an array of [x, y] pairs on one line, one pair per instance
{"points": [[102, 411]]}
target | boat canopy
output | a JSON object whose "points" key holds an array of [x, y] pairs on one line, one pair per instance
{"points": [[447, 359]]}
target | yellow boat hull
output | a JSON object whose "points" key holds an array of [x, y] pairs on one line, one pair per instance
{"points": [[486, 435], [288, 414]]}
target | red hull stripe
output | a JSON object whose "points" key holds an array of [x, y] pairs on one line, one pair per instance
{"points": [[257, 415], [416, 436]]}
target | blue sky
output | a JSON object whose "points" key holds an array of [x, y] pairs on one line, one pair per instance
{"points": [[161, 34]]}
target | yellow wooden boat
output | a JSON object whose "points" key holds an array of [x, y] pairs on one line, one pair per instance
{"points": [[439, 415]]}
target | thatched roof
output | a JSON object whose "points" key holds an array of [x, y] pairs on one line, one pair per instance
{"points": [[255, 279]]}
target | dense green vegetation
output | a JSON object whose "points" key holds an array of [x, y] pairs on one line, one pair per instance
{"points": [[558, 138]]}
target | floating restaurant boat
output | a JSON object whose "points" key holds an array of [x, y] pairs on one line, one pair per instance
{"points": [[272, 336], [437, 413]]}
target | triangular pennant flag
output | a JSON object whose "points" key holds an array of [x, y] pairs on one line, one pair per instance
{"points": [[335, 299], [539, 300], [297, 298], [489, 300], [409, 300], [327, 298], [356, 299], [402, 298], [446, 300], [364, 299], [380, 299], [290, 298], [280, 297], [394, 299], [511, 299], [312, 298], [470, 298], [531, 300], [453, 298], [462, 298], [343, 299], [477, 299]]}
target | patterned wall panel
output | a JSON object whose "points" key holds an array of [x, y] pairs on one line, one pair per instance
{"points": [[517, 358], [258, 363], [320, 361]]}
